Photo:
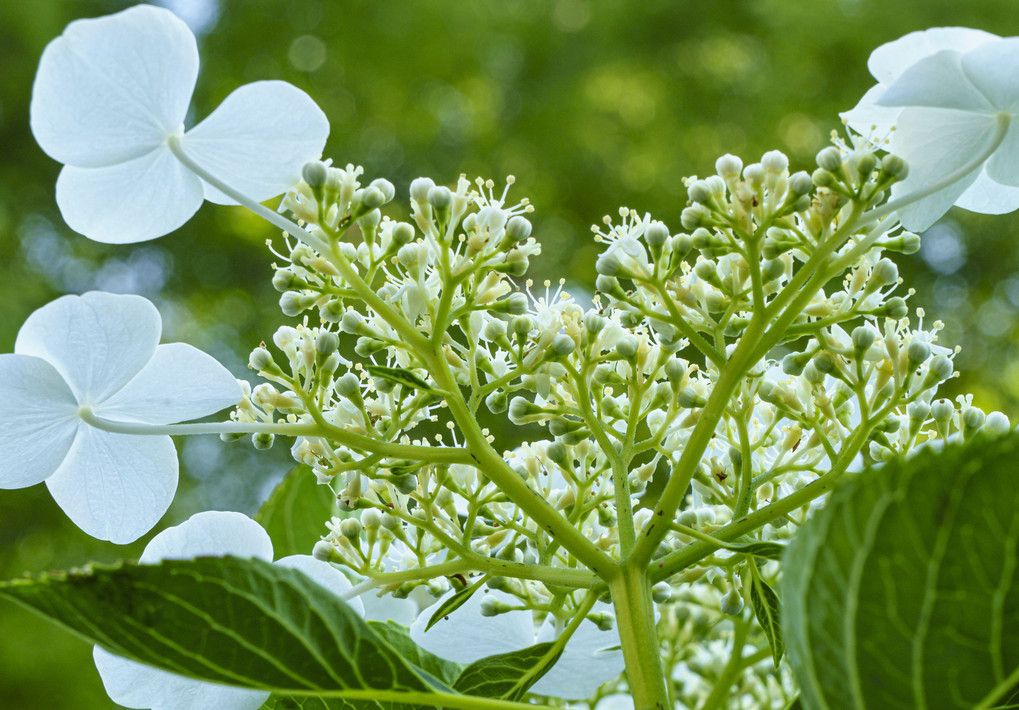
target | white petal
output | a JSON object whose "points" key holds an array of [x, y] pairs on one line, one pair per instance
{"points": [[989, 197], [135, 685], [937, 81], [465, 635], [37, 438], [587, 662], [213, 533], [1003, 166], [129, 202], [113, 88], [258, 140], [116, 487], [180, 382], [937, 143], [994, 69], [890, 60], [868, 118], [325, 575], [97, 341], [388, 608]]}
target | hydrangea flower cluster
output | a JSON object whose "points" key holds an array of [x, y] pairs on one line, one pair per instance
{"points": [[678, 424]]}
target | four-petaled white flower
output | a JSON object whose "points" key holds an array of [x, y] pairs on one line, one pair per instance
{"points": [[98, 355], [110, 96], [952, 94], [213, 533], [590, 658]]}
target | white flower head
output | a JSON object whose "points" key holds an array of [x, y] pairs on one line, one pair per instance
{"points": [[212, 533], [110, 95], [948, 91], [591, 656], [101, 352]]}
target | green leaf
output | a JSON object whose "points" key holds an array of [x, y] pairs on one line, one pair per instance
{"points": [[397, 637], [236, 621], [507, 675], [296, 512], [400, 376], [903, 591], [765, 604], [764, 550], [292, 702], [454, 602]]}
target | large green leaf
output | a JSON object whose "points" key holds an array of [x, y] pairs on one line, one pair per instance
{"points": [[903, 591], [766, 608], [507, 675], [237, 621], [397, 637], [296, 512]]}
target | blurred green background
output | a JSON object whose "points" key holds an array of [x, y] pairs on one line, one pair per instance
{"points": [[591, 105]]}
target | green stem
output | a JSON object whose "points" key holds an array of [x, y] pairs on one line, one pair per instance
{"points": [[630, 589], [427, 699], [720, 691]]}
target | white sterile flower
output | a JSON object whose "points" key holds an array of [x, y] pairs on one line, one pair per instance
{"points": [[213, 533], [952, 94], [591, 656], [99, 355], [110, 96]]}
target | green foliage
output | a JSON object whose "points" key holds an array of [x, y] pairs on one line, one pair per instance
{"points": [[903, 591], [507, 675], [454, 602], [397, 637], [227, 620], [765, 604], [296, 512]]}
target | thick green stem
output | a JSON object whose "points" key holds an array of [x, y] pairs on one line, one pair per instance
{"points": [[635, 618]]}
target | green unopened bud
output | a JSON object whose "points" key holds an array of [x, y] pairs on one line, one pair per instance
{"points": [[823, 178], [675, 369], [627, 346], [940, 368], [972, 419], [440, 197], [262, 440], [800, 183], [419, 189], [352, 323], [293, 303], [563, 345], [558, 452], [699, 192], [260, 359], [518, 228], [285, 280], [351, 528], [607, 264], [942, 410], [522, 325], [863, 337], [403, 233], [732, 603], [497, 402], [885, 272], [917, 352], [830, 159], [656, 235], [894, 167], [661, 593], [347, 385], [997, 424], [386, 188], [863, 163], [689, 399], [824, 361], [729, 166], [793, 363], [772, 269], [593, 322], [315, 174], [895, 308], [327, 342], [494, 330]]}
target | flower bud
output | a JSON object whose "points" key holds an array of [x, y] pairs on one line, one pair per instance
{"points": [[942, 410], [609, 285], [695, 216], [593, 322], [823, 178], [732, 603], [997, 424], [351, 528], [863, 163], [675, 369], [262, 440], [352, 323], [420, 187], [775, 161], [661, 593], [403, 233], [497, 402], [895, 308], [656, 235], [894, 167], [754, 173], [563, 345], [917, 352], [557, 452], [518, 228], [386, 188], [627, 346], [322, 551], [347, 385], [729, 166], [699, 192], [285, 280], [372, 198], [522, 325], [327, 342], [494, 330], [972, 419], [824, 361], [800, 183], [885, 272], [793, 363], [516, 303], [863, 337], [315, 174], [440, 197], [607, 264], [830, 159], [293, 303], [941, 368], [689, 399], [260, 359]]}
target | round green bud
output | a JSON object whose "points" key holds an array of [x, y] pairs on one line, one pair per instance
{"points": [[918, 410], [689, 399], [656, 235], [607, 264], [732, 603], [973, 418], [775, 161], [661, 593], [518, 228], [941, 368], [735, 456], [675, 369], [405, 484], [894, 167], [419, 189], [262, 440], [753, 173], [863, 337], [800, 183], [440, 197], [705, 270], [942, 410], [606, 284], [285, 280], [823, 178], [351, 528], [885, 272], [793, 363], [522, 325], [863, 163], [896, 308], [322, 551], [824, 361], [627, 346], [812, 374], [497, 402], [371, 519], [997, 424], [729, 166], [593, 322], [681, 245], [494, 330], [699, 192], [352, 322], [519, 408], [830, 159], [694, 216], [315, 174], [403, 233], [260, 359], [372, 198], [293, 303], [516, 303], [327, 342], [917, 352], [563, 345], [558, 452], [385, 187], [347, 385]]}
